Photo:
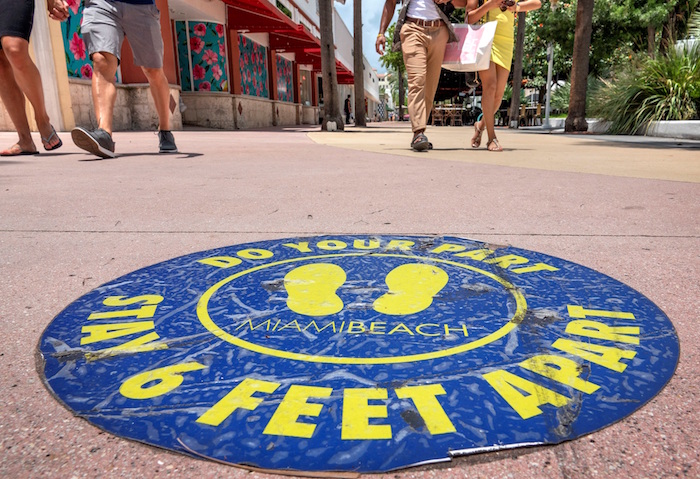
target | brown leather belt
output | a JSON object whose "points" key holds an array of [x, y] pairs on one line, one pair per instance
{"points": [[425, 23]]}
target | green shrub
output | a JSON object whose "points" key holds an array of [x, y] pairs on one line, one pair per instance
{"points": [[508, 95], [665, 88], [560, 98], [562, 94]]}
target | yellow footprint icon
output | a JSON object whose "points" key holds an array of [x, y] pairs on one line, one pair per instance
{"points": [[312, 289], [411, 289]]}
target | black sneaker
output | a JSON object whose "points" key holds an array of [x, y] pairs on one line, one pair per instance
{"points": [[166, 142], [98, 141]]}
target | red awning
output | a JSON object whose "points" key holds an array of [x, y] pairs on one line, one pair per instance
{"points": [[260, 16]]}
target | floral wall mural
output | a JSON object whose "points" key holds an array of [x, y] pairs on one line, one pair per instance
{"points": [[183, 58], [204, 43], [77, 58], [285, 82], [253, 64]]}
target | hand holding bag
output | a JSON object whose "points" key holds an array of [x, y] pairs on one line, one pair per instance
{"points": [[473, 51]]}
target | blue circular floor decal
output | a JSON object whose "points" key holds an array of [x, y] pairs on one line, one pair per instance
{"points": [[357, 353]]}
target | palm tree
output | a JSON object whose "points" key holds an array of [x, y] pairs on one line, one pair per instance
{"points": [[517, 72], [576, 119], [694, 24], [358, 65], [331, 103]]}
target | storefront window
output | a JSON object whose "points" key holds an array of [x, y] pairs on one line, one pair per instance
{"points": [[285, 80], [253, 64], [306, 92], [201, 49]]}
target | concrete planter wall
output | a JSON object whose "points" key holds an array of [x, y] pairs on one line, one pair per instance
{"points": [[687, 130], [309, 115], [134, 109], [241, 112], [209, 110]]}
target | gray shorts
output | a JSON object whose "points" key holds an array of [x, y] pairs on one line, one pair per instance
{"points": [[106, 23]]}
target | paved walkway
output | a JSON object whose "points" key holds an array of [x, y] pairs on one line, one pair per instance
{"points": [[627, 207]]}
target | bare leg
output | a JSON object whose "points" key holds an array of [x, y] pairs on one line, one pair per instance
{"points": [[13, 99], [28, 79], [489, 83], [104, 90], [160, 90]]}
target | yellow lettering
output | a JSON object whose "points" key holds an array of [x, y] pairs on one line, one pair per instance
{"points": [[507, 260], [284, 420], [253, 253], [362, 244], [104, 332], [509, 386], [331, 245], [404, 245], [419, 329], [476, 254], [579, 312], [138, 345], [463, 328], [401, 328], [357, 412], [452, 248], [594, 329], [560, 369], [302, 247], [241, 397], [603, 355], [425, 400], [166, 379], [148, 310], [265, 323], [356, 327], [534, 268], [377, 327], [291, 325], [220, 261], [318, 330]]}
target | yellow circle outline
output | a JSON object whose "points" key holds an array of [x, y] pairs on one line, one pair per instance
{"points": [[207, 322]]}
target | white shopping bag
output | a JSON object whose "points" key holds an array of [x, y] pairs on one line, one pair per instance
{"points": [[473, 51]]}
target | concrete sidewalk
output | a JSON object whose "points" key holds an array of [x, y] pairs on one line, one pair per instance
{"points": [[627, 207]]}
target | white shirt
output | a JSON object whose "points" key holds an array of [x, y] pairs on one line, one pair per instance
{"points": [[423, 9]]}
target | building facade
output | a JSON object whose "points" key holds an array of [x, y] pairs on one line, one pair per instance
{"points": [[231, 64]]}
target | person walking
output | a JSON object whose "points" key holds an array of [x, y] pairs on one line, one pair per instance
{"points": [[495, 78], [105, 24], [19, 76], [348, 110], [422, 33]]}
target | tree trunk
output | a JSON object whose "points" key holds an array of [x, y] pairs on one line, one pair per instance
{"points": [[576, 119], [358, 65], [401, 94], [651, 41], [517, 73], [331, 103], [668, 32]]}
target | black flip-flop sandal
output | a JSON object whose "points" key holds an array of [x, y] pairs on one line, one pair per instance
{"points": [[420, 142], [47, 141], [16, 150]]}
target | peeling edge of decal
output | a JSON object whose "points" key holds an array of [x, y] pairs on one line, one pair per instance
{"points": [[504, 447]]}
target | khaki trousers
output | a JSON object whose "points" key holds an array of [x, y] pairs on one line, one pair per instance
{"points": [[423, 51]]}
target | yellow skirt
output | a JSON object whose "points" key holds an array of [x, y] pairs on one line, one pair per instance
{"points": [[503, 41]]}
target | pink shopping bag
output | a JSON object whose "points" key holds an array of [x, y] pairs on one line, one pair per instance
{"points": [[473, 51]]}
